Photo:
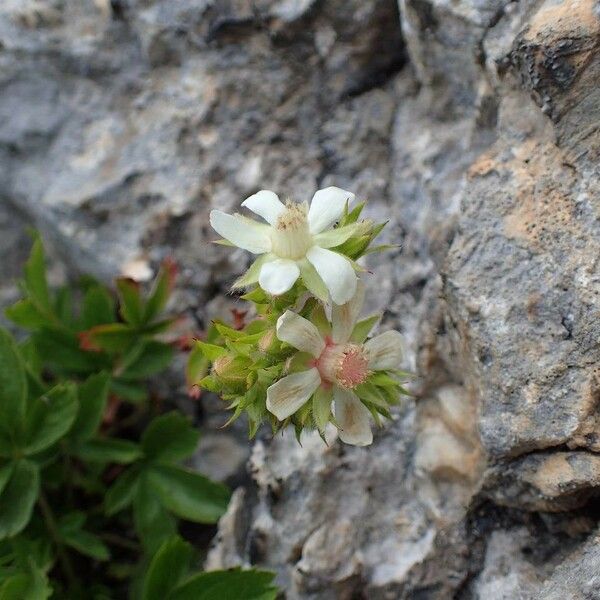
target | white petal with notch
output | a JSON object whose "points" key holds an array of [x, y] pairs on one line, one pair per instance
{"points": [[300, 333], [286, 396], [326, 207], [336, 271], [343, 317], [385, 351], [241, 232], [352, 418], [265, 204], [278, 276]]}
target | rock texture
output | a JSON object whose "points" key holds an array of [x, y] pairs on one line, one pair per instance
{"points": [[473, 126]]}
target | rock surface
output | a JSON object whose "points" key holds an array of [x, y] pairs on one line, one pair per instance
{"points": [[473, 126]]}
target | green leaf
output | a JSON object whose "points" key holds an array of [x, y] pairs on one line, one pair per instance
{"points": [[26, 314], [321, 407], [113, 337], [197, 366], [5, 474], [337, 236], [187, 494], [92, 394], [234, 584], [129, 390], [98, 307], [363, 328], [18, 498], [13, 384], [153, 358], [163, 286], [50, 417], [62, 351], [132, 307], [121, 494], [312, 280], [86, 543], [107, 450], [31, 585], [210, 351], [169, 566], [152, 522], [35, 277], [169, 437]]}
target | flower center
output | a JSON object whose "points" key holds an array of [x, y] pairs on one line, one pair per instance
{"points": [[291, 237], [343, 364]]}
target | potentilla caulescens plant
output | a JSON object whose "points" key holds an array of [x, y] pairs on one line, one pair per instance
{"points": [[306, 351]]}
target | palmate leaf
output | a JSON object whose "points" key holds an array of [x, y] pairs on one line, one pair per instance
{"points": [[35, 277], [132, 306], [18, 498], [234, 584], [98, 307], [13, 385], [93, 395], [50, 417], [153, 523], [169, 566], [169, 438], [188, 494]]}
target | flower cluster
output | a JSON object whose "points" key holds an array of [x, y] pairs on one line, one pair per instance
{"points": [[305, 358]]}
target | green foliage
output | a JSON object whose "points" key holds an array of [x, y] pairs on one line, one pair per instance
{"points": [[92, 485]]}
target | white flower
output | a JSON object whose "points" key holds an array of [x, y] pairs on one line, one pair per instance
{"points": [[338, 366], [294, 243]]}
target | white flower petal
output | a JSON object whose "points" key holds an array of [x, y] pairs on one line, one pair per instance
{"points": [[278, 276], [352, 418], [336, 271], [343, 317], [300, 333], [327, 207], [243, 233], [385, 351], [266, 204], [286, 396]]}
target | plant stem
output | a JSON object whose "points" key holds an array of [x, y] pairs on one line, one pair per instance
{"points": [[63, 557], [117, 540]]}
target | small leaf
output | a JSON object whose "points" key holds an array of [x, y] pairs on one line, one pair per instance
{"points": [[167, 569], [5, 474], [154, 358], [62, 351], [210, 351], [113, 337], [26, 314], [120, 495], [321, 407], [197, 366], [92, 394], [50, 417], [18, 498], [13, 385], [187, 494], [163, 286], [169, 437], [152, 522], [35, 277], [98, 307], [312, 280], [86, 543], [132, 307], [107, 450], [128, 390], [363, 328], [234, 584]]}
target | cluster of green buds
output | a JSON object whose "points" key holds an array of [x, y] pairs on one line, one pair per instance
{"points": [[305, 358]]}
